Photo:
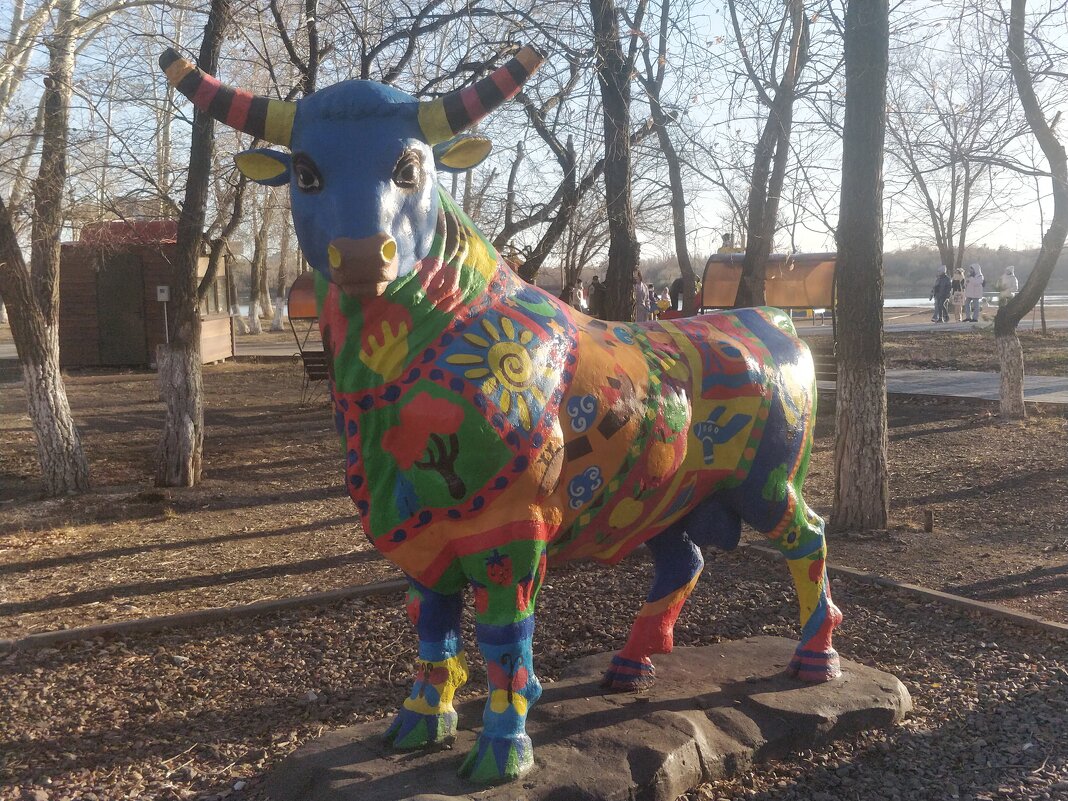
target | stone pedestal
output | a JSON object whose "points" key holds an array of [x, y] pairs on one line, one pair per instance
{"points": [[713, 711]]}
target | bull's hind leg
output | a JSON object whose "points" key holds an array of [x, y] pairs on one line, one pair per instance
{"points": [[428, 716], [677, 564], [802, 543]]}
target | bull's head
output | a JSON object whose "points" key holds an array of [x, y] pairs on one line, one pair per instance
{"points": [[362, 164]]}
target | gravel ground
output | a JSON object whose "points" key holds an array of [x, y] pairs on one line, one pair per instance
{"points": [[204, 713]]}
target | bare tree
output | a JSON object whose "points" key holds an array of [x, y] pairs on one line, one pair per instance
{"points": [[32, 295], [772, 149], [259, 299], [180, 457], [953, 123], [1010, 353], [861, 485], [663, 118]]}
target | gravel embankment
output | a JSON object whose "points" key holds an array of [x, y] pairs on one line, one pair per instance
{"points": [[195, 714]]}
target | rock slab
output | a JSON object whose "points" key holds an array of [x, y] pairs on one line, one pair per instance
{"points": [[713, 711]]}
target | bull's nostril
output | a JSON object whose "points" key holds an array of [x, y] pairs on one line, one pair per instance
{"points": [[389, 250], [334, 255]]}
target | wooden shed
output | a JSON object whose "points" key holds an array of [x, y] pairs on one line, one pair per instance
{"points": [[110, 313]]}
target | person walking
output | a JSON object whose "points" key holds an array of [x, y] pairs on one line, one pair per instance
{"points": [[956, 295], [676, 289], [598, 297], [940, 296], [642, 302], [973, 293], [567, 294], [1008, 285]]}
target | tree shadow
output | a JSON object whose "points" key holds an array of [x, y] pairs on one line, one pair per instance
{"points": [[1031, 583], [141, 588], [977, 756], [1024, 482], [177, 545]]}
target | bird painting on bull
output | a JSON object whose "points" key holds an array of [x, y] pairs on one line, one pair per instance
{"points": [[490, 430]]}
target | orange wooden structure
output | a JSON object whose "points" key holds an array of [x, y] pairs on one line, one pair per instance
{"points": [[793, 281], [304, 322]]}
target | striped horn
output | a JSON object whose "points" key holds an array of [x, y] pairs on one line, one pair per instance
{"points": [[443, 118], [261, 117]]}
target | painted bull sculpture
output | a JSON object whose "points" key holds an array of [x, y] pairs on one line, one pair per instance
{"points": [[490, 430]]}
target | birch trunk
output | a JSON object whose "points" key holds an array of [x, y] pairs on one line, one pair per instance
{"points": [[33, 294], [1010, 354], [180, 456], [1011, 363]]}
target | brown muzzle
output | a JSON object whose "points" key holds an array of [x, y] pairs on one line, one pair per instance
{"points": [[363, 267]]}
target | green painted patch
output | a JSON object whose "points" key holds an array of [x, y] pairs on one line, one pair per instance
{"points": [[432, 449]]}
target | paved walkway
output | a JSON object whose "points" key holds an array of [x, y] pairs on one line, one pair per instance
{"points": [[807, 329], [971, 384]]}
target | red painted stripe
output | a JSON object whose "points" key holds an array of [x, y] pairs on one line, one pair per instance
{"points": [[472, 105], [506, 83], [207, 90], [238, 115]]}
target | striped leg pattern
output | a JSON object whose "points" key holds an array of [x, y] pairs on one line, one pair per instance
{"points": [[677, 565], [427, 716]]}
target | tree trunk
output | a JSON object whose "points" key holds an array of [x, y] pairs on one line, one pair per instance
{"points": [[259, 301], [1010, 354], [613, 76], [182, 391], [861, 480], [281, 281], [231, 294], [1011, 364], [33, 295], [64, 468], [180, 456]]}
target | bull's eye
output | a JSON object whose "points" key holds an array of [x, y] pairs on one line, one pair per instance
{"points": [[406, 173], [306, 174]]}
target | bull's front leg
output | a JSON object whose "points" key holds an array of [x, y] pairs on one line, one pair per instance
{"points": [[506, 583], [427, 716]]}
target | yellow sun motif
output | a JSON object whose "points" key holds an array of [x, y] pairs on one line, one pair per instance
{"points": [[504, 365]]}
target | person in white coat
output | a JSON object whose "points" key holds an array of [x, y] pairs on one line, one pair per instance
{"points": [[973, 293], [1008, 285]]}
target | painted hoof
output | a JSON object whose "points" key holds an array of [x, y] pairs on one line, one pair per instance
{"points": [[496, 760], [411, 730], [628, 675], [815, 666]]}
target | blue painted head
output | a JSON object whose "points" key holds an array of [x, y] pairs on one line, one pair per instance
{"points": [[362, 162]]}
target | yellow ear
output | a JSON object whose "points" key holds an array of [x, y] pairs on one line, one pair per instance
{"points": [[465, 153], [263, 166]]}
